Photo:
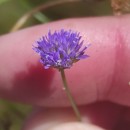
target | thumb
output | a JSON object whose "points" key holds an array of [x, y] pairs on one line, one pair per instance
{"points": [[76, 126], [59, 119]]}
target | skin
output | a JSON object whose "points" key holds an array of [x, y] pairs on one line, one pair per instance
{"points": [[99, 84]]}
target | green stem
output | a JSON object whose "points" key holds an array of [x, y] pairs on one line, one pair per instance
{"points": [[71, 99]]}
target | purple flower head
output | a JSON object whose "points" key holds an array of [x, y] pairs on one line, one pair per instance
{"points": [[60, 49]]}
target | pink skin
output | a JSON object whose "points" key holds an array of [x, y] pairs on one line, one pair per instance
{"points": [[104, 76]]}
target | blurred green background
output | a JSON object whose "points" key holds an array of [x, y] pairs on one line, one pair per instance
{"points": [[12, 10], [12, 115]]}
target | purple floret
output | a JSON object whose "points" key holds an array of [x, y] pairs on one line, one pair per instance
{"points": [[60, 49]]}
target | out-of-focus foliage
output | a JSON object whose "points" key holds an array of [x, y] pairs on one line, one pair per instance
{"points": [[2, 1], [11, 114], [12, 10]]}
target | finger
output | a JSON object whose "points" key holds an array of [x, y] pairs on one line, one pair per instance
{"points": [[103, 76], [104, 115], [70, 126], [76, 126], [49, 119]]}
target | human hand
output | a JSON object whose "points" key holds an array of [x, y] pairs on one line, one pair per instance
{"points": [[94, 83]]}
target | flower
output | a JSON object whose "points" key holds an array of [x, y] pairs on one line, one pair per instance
{"points": [[60, 49]]}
